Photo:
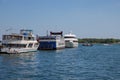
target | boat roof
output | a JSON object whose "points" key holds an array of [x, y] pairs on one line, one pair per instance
{"points": [[56, 33], [26, 30], [70, 34], [20, 35], [12, 34], [46, 37]]}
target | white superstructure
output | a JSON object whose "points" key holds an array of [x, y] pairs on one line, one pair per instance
{"points": [[52, 42], [71, 40], [19, 43]]}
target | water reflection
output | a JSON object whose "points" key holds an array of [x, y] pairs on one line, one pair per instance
{"points": [[15, 66], [17, 57]]}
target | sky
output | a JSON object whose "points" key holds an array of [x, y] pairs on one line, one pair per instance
{"points": [[84, 18]]}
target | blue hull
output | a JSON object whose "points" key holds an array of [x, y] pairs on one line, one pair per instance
{"points": [[46, 45]]}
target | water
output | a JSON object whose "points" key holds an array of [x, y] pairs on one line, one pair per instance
{"points": [[83, 63]]}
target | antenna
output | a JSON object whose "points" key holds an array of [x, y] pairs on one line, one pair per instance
{"points": [[47, 32]]}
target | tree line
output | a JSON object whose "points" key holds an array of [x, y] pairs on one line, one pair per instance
{"points": [[95, 40]]}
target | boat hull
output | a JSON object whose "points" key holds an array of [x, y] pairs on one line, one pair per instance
{"points": [[17, 50], [50, 45], [71, 44]]}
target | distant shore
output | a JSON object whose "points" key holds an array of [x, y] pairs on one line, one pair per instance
{"points": [[96, 40]]}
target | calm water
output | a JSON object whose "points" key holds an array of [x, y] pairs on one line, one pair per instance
{"points": [[83, 63]]}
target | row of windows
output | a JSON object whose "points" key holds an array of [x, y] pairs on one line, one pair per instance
{"points": [[15, 45], [69, 37], [20, 45], [69, 41], [29, 38], [31, 45], [61, 43], [11, 37], [75, 41], [47, 38]]}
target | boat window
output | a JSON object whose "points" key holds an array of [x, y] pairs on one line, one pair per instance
{"points": [[66, 40], [4, 45], [12, 37], [60, 43], [15, 45], [30, 45], [69, 37], [23, 45], [4, 37], [47, 38], [25, 38], [75, 41], [36, 44], [29, 38]]}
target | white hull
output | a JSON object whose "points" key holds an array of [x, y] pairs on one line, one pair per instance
{"points": [[17, 50], [60, 44], [71, 44]]}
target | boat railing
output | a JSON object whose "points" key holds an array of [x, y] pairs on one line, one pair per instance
{"points": [[57, 33]]}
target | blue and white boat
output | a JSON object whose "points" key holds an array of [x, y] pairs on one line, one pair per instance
{"points": [[25, 41], [51, 42]]}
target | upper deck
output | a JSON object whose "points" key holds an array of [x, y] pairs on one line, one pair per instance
{"points": [[24, 35], [70, 35], [52, 36], [28, 33]]}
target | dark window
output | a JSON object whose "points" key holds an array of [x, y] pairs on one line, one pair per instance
{"points": [[69, 37], [30, 45]]}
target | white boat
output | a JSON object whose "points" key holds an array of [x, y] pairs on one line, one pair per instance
{"points": [[106, 44], [25, 41], [87, 44], [52, 42], [71, 40]]}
